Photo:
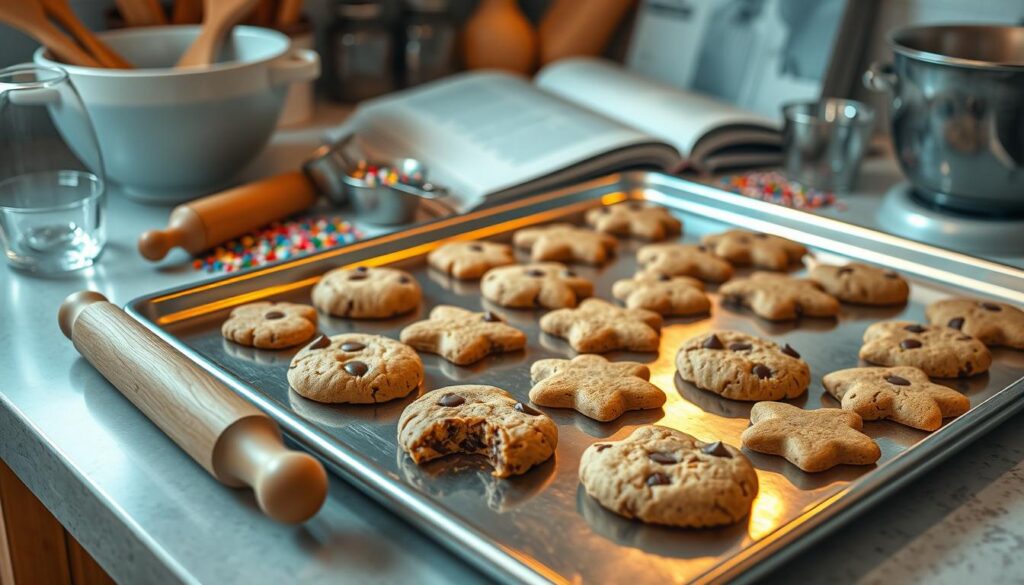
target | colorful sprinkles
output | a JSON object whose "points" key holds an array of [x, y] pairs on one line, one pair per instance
{"points": [[278, 241], [774, 187]]}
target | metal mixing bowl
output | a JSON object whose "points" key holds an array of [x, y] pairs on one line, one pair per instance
{"points": [[957, 114]]}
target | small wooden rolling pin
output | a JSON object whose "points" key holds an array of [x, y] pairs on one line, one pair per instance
{"points": [[235, 442], [207, 222]]}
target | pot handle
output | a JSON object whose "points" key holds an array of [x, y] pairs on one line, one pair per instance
{"points": [[880, 77], [298, 65]]}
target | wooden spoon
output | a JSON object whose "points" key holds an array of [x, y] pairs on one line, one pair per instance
{"points": [[187, 12], [218, 18], [60, 11], [141, 12], [28, 17]]}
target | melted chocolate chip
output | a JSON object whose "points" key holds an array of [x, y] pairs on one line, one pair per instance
{"points": [[658, 479], [910, 344], [361, 269], [352, 346], [664, 277], [663, 458], [534, 272], [762, 371], [320, 342], [788, 350], [740, 346], [892, 275], [798, 309], [526, 409], [403, 279], [273, 315], [712, 342], [956, 322], [476, 247], [914, 328], [601, 446], [761, 236], [357, 276], [991, 307], [356, 368], [491, 317], [844, 270], [897, 381], [716, 449], [451, 400]]}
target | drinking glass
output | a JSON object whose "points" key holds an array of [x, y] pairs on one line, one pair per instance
{"points": [[51, 182]]}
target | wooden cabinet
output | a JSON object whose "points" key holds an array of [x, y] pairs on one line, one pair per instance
{"points": [[34, 547]]}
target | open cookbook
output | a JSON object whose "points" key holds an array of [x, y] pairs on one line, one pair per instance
{"points": [[488, 136]]}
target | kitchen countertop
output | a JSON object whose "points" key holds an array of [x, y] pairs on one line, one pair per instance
{"points": [[147, 513]]}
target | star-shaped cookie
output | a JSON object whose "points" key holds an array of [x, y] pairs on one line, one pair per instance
{"points": [[762, 250], [902, 394], [594, 386], [463, 337], [548, 285], [813, 440], [667, 295], [993, 323], [941, 352], [779, 297], [683, 260], [470, 260], [597, 326], [634, 218], [564, 242]]}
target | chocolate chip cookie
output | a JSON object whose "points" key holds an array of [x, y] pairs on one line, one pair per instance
{"points": [[356, 368], [367, 293], [634, 218], [564, 242], [463, 337], [742, 367], [663, 476], [743, 248], [861, 284], [470, 260], [991, 322], [942, 352], [477, 420], [547, 285], [267, 325]]}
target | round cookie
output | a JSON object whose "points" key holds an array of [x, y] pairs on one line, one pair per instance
{"points": [[742, 367], [268, 325], [667, 295], [942, 352], [992, 323], [663, 476], [761, 250], [861, 284], [355, 368], [470, 260], [367, 293], [548, 285], [634, 218], [481, 420]]}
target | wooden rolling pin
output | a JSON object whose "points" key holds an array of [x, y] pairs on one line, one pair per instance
{"points": [[235, 442], [207, 222]]}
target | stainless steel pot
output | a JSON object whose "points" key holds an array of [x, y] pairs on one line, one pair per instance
{"points": [[957, 114]]}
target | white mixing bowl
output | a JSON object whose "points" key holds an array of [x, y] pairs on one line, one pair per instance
{"points": [[168, 135]]}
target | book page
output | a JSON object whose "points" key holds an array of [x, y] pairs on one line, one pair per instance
{"points": [[481, 133], [676, 116]]}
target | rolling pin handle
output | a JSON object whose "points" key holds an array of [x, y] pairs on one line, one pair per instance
{"points": [[290, 486], [73, 306], [184, 229]]}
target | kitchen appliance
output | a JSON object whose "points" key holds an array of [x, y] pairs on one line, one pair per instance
{"points": [[542, 527], [169, 135], [957, 114], [236, 443]]}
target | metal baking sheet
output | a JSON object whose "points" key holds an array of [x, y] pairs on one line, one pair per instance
{"points": [[542, 527]]}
